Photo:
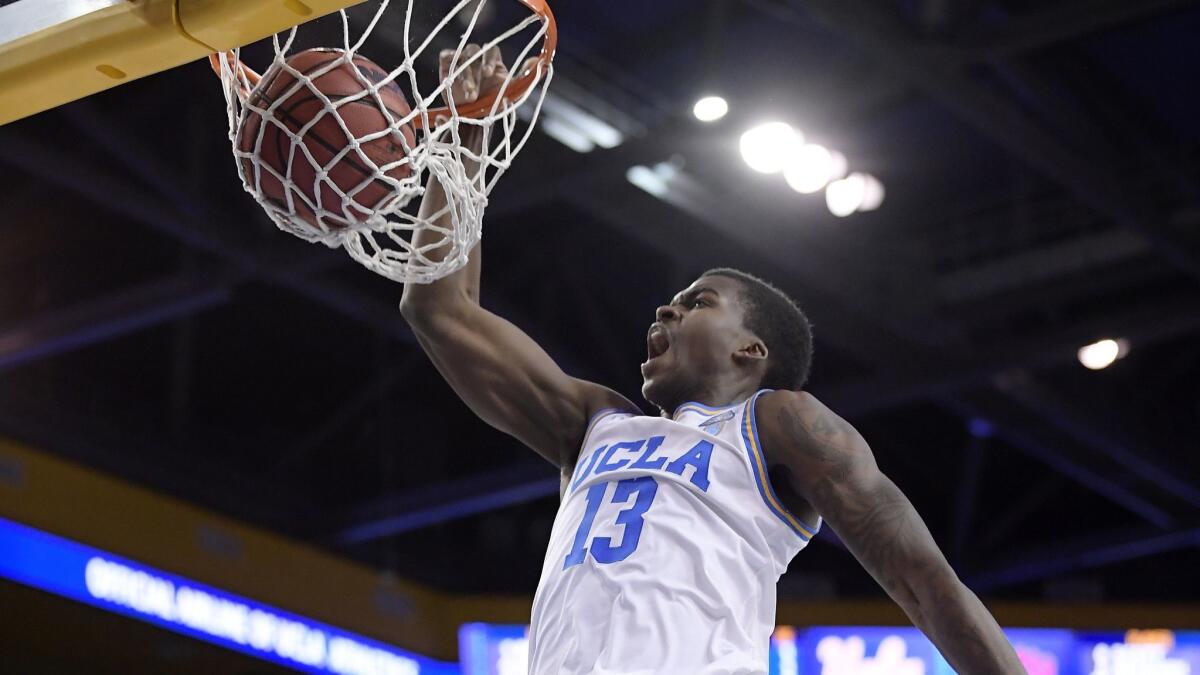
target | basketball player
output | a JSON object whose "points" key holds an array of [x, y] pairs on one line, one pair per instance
{"points": [[673, 530]]}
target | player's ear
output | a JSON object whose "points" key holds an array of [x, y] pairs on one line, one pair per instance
{"points": [[750, 351]]}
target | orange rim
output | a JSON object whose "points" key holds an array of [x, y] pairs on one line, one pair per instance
{"points": [[475, 109]]}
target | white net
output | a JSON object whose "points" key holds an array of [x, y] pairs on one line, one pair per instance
{"points": [[327, 143]]}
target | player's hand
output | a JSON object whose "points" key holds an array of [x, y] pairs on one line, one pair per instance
{"points": [[484, 76], [480, 78]]}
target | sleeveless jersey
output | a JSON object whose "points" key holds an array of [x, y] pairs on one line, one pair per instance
{"points": [[666, 550]]}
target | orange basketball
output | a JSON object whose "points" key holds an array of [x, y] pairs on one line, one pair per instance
{"points": [[325, 138]]}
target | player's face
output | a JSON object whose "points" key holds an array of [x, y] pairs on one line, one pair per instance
{"points": [[692, 341]]}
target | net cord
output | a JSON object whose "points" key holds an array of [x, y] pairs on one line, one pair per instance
{"points": [[379, 236]]}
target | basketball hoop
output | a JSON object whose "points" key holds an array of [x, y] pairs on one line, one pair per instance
{"points": [[379, 233]]}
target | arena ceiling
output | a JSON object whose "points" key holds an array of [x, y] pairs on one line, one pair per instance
{"points": [[1040, 161]]}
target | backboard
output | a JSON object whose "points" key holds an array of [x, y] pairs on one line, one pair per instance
{"points": [[56, 51]]}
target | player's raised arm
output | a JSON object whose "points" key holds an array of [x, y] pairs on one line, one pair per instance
{"points": [[497, 370], [829, 464]]}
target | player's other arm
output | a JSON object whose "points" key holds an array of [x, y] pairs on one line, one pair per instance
{"points": [[829, 464], [497, 370]]}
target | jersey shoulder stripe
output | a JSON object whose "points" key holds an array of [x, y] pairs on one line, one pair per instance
{"points": [[759, 465]]}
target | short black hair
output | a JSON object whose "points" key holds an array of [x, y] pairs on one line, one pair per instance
{"points": [[778, 321]]}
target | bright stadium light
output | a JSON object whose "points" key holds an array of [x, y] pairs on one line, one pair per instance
{"points": [[710, 108], [1101, 354], [768, 147], [844, 196], [647, 179], [837, 165], [567, 134], [856, 192], [810, 170], [872, 193], [575, 127]]}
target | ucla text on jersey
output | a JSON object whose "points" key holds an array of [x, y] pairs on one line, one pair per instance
{"points": [[665, 550]]}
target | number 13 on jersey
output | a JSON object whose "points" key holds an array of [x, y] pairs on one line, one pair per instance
{"points": [[602, 548]]}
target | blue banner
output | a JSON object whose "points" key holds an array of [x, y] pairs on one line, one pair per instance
{"points": [[122, 586]]}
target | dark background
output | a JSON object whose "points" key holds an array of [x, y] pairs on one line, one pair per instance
{"points": [[1040, 161]]}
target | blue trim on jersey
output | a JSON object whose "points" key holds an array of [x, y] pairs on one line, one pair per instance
{"points": [[758, 463], [692, 406]]}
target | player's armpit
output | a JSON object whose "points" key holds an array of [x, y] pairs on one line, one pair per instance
{"points": [[827, 462], [507, 379]]}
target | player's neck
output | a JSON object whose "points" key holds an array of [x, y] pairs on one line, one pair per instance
{"points": [[716, 395]]}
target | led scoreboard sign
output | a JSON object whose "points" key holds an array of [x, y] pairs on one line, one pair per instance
{"points": [[874, 650], [89, 575]]}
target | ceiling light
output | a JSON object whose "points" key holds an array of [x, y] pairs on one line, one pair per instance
{"points": [[810, 170], [768, 147], [650, 180], [710, 108], [837, 165], [872, 193], [575, 127], [566, 134], [844, 196], [1103, 353], [856, 192]]}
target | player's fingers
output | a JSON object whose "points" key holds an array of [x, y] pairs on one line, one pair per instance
{"points": [[480, 59], [451, 68], [495, 72], [471, 75], [469, 54], [493, 62], [446, 59]]}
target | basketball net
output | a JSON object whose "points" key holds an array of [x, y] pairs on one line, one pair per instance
{"points": [[380, 237]]}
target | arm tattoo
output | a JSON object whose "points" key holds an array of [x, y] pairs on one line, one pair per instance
{"points": [[833, 469]]}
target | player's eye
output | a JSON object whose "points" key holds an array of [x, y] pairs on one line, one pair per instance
{"points": [[697, 303]]}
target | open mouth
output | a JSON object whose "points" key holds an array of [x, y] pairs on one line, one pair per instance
{"points": [[657, 343]]}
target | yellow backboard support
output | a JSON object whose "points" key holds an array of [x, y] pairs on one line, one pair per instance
{"points": [[56, 51]]}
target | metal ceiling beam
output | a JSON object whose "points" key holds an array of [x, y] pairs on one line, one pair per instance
{"points": [[1020, 508], [126, 311], [353, 407], [1033, 437], [296, 269], [98, 443], [1100, 434], [967, 493], [1059, 22], [1143, 325], [1003, 121], [925, 378], [1084, 553], [441, 502], [983, 281], [923, 372], [408, 510], [1021, 34], [805, 271]]}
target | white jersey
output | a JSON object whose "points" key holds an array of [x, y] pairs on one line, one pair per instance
{"points": [[665, 551]]}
